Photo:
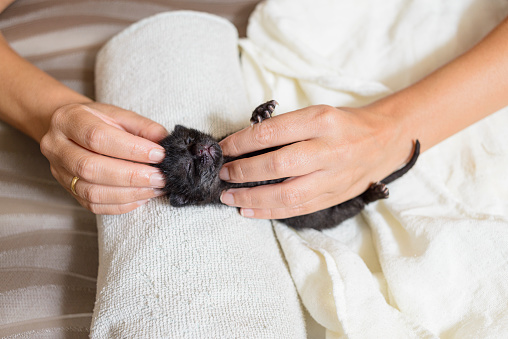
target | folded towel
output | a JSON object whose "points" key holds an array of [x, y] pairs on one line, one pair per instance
{"points": [[194, 272], [432, 260]]}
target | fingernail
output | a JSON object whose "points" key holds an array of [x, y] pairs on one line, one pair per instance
{"points": [[156, 155], [246, 212], [158, 192], [157, 180], [227, 198], [224, 173]]}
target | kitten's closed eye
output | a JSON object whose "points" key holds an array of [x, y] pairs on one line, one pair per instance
{"points": [[191, 166], [190, 171]]}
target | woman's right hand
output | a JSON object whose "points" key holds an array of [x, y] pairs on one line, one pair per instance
{"points": [[108, 149]]}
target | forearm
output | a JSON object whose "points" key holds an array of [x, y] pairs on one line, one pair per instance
{"points": [[455, 96], [29, 96]]}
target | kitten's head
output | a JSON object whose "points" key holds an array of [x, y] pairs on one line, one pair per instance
{"points": [[191, 166]]}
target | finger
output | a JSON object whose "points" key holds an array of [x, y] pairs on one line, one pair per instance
{"points": [[277, 131], [93, 133], [112, 209], [287, 194], [135, 124], [97, 208], [308, 207], [98, 169], [103, 194], [290, 161]]}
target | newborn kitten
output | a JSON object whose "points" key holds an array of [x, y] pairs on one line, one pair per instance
{"points": [[193, 161]]}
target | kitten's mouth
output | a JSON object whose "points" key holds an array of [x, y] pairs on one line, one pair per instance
{"points": [[210, 151]]}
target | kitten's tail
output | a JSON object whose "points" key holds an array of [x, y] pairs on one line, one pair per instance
{"points": [[397, 174]]}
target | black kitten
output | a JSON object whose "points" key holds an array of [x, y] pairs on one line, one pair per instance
{"points": [[193, 161]]}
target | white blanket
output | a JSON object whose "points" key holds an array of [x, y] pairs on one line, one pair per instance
{"points": [[431, 261], [199, 271]]}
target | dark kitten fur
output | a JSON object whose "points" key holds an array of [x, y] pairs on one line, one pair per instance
{"points": [[193, 161]]}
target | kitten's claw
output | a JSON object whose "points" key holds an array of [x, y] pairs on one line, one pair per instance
{"points": [[263, 112], [382, 190], [375, 192]]}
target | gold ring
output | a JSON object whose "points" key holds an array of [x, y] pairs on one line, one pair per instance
{"points": [[73, 185]]}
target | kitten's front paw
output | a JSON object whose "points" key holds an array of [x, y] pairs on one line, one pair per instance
{"points": [[263, 112]]}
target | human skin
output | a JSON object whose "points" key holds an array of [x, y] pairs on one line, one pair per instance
{"points": [[338, 152], [107, 147]]}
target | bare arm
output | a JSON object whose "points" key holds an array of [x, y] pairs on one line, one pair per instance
{"points": [[105, 146], [30, 96], [4, 4], [455, 96], [338, 152]]}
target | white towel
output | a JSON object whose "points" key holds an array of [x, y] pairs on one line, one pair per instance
{"points": [[194, 272], [431, 261]]}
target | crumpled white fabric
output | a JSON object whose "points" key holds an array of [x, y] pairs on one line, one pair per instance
{"points": [[431, 261]]}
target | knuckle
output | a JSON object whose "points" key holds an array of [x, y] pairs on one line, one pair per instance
{"points": [[278, 165], [85, 168], [63, 113], [291, 197], [132, 177], [58, 116], [45, 145], [265, 134], [91, 194], [136, 149], [94, 137], [231, 146], [327, 116], [74, 108], [245, 199], [236, 172]]}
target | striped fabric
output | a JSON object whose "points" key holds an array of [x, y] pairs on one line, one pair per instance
{"points": [[48, 243], [63, 36]]}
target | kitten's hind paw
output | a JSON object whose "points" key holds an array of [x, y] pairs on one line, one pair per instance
{"points": [[263, 112], [375, 192]]}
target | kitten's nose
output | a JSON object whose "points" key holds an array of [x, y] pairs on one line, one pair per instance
{"points": [[201, 150]]}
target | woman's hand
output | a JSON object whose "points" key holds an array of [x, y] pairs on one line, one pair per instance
{"points": [[337, 153], [332, 155], [108, 149]]}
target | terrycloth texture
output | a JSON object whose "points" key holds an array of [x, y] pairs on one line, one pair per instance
{"points": [[431, 261], [195, 272], [48, 243]]}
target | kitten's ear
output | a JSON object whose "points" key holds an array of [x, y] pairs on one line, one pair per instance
{"points": [[179, 128], [178, 200]]}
